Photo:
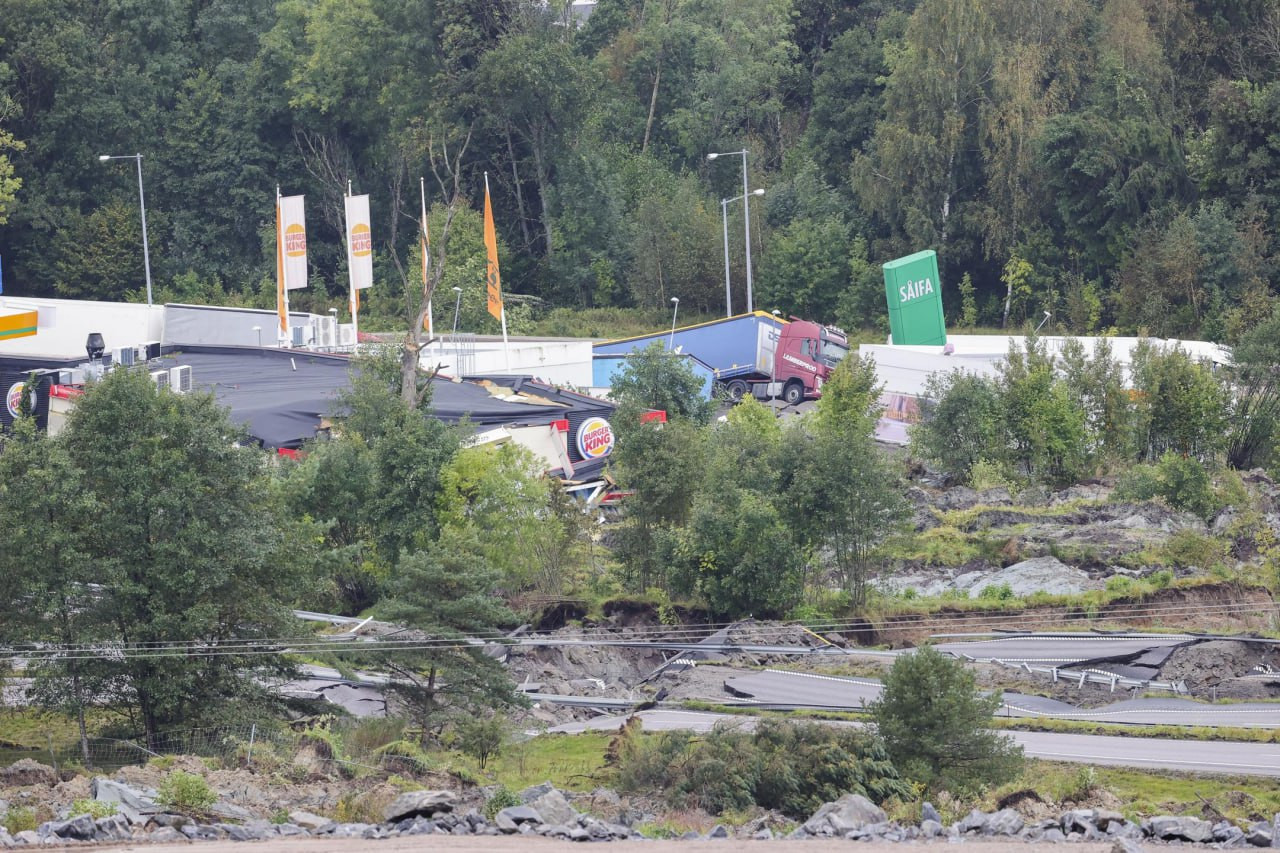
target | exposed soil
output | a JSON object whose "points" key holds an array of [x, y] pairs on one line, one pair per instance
{"points": [[1211, 608]]}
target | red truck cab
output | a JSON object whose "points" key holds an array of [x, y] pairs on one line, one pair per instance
{"points": [[807, 353]]}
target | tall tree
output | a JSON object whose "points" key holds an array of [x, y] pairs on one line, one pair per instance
{"points": [[186, 546], [936, 725]]}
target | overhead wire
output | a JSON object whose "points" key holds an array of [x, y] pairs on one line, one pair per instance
{"points": [[659, 634]]}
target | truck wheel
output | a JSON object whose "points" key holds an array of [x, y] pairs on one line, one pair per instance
{"points": [[793, 393], [737, 389]]}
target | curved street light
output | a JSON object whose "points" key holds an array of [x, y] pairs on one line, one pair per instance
{"points": [[724, 217], [142, 202], [675, 309], [746, 218]]}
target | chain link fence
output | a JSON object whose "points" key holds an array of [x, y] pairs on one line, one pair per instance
{"points": [[266, 746]]}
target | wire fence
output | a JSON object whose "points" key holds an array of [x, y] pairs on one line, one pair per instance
{"points": [[266, 747]]}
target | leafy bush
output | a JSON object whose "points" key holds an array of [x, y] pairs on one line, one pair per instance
{"points": [[791, 767], [94, 808], [501, 799], [185, 792], [997, 592], [481, 738], [19, 819], [1181, 481], [1188, 548]]}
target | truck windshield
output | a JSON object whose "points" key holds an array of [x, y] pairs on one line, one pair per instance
{"points": [[833, 352]]}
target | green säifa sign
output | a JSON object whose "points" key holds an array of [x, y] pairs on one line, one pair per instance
{"points": [[913, 292]]}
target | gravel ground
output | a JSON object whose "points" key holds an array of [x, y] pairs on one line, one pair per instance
{"points": [[546, 845]]}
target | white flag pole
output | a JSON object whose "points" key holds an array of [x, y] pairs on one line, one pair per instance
{"points": [[283, 335], [426, 257], [351, 275]]}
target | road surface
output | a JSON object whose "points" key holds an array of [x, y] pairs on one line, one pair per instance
{"points": [[1229, 757]]}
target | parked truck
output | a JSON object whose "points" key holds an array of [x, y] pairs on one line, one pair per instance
{"points": [[757, 353]]}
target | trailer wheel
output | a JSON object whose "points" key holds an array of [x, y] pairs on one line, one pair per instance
{"points": [[737, 389], [793, 393]]}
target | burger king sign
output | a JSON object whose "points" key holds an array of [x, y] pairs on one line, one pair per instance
{"points": [[13, 399], [595, 438]]}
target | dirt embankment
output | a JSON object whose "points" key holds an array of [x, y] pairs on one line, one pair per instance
{"points": [[1210, 608]]}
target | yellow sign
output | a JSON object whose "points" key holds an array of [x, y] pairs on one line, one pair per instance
{"points": [[20, 325]]}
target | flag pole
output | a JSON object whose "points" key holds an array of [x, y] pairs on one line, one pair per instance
{"points": [[282, 283], [506, 350], [351, 275], [426, 257]]}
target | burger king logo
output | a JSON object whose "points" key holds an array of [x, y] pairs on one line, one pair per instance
{"points": [[361, 241], [295, 241], [13, 399], [595, 438]]}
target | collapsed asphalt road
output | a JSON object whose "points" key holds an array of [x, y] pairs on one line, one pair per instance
{"points": [[1152, 753]]}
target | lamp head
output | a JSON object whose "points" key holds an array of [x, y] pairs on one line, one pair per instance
{"points": [[104, 157], [712, 156], [457, 290], [675, 300], [758, 192], [333, 311]]}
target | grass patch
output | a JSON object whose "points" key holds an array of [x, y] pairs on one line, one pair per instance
{"points": [[570, 762], [1086, 727], [1239, 798]]}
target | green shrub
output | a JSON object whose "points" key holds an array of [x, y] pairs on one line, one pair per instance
{"points": [[997, 592], [1188, 548], [1139, 483], [1182, 481], [185, 792], [1161, 579], [501, 799], [481, 738], [791, 767], [94, 808], [19, 819]]}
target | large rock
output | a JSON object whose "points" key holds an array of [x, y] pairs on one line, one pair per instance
{"points": [[1259, 835], [1039, 574], [511, 819], [552, 807], [134, 803], [25, 772], [1005, 822], [414, 803], [851, 810], [309, 821], [80, 828], [1171, 828]]}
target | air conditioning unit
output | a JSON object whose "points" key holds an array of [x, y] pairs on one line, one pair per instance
{"points": [[78, 376], [160, 378], [125, 356], [326, 332], [151, 350], [346, 335], [298, 335], [64, 376], [180, 379]]}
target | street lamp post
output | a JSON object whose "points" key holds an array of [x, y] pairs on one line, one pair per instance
{"points": [[724, 218], [142, 203], [746, 216], [457, 304], [675, 309]]}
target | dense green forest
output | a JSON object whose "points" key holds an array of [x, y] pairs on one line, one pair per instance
{"points": [[1111, 161]]}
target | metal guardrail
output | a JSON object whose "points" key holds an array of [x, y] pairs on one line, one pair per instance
{"points": [[1093, 676]]}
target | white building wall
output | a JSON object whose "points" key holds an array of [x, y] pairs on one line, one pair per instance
{"points": [[64, 324], [566, 363]]}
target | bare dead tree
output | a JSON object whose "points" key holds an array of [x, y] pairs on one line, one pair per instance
{"points": [[446, 168], [328, 161]]}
